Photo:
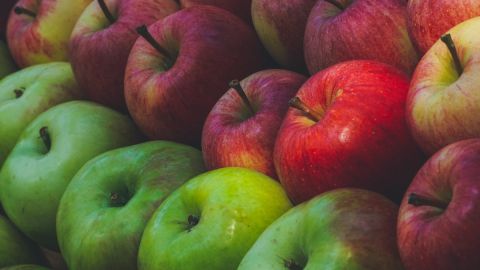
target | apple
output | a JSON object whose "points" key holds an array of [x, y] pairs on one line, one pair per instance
{"points": [[280, 26], [241, 8], [25, 267], [27, 93], [5, 8], [16, 248], [438, 219], [47, 155], [429, 19], [443, 100], [347, 129], [340, 229], [101, 42], [92, 227], [173, 80], [6, 62], [39, 31], [340, 30], [240, 130], [211, 221]]}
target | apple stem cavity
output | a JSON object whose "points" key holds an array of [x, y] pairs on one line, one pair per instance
{"points": [[419, 200], [143, 31], [21, 10], [18, 92], [448, 41], [192, 222], [291, 264], [336, 3], [45, 136], [235, 84], [298, 104], [106, 11]]}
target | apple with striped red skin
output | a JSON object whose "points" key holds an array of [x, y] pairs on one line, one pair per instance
{"points": [[429, 19], [439, 216], [280, 26], [173, 80], [240, 130], [340, 30], [101, 42], [348, 129], [240, 8], [39, 31]]}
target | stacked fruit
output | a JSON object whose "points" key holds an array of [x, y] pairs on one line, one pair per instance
{"points": [[235, 134]]}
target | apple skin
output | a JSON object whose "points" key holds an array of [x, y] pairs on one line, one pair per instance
{"points": [[43, 86], [361, 140], [234, 206], [7, 65], [99, 50], [432, 237], [173, 103], [240, 8], [366, 29], [92, 230], [33, 177], [16, 248], [341, 229], [429, 19], [442, 106], [45, 37], [234, 137], [280, 26]]}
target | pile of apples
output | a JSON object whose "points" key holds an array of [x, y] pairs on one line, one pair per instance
{"points": [[239, 134]]}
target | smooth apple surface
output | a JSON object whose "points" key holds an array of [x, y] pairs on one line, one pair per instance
{"points": [[211, 221], [443, 102], [235, 135], [362, 29], [170, 94], [40, 34], [280, 26], [29, 92], [106, 207], [240, 8], [359, 139], [47, 155], [340, 229], [99, 49], [439, 216], [429, 19], [7, 65]]}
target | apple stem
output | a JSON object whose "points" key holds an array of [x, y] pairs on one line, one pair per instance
{"points": [[235, 84], [298, 104], [143, 31], [45, 137], [105, 10], [448, 41], [336, 3], [418, 200], [21, 10], [192, 222], [18, 92]]}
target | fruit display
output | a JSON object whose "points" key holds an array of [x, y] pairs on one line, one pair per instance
{"points": [[239, 134]]}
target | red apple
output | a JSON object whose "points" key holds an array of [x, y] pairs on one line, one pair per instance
{"points": [[241, 8], [339, 30], [429, 19], [280, 25], [240, 130], [173, 81], [440, 214], [101, 42], [349, 131]]}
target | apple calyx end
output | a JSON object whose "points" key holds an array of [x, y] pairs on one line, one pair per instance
{"points": [[336, 3], [192, 222], [298, 104], [419, 200], [45, 136], [235, 84], [448, 41], [106, 11], [291, 264], [143, 31], [117, 200], [18, 92], [19, 10]]}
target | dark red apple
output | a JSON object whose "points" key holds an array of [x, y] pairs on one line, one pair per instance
{"points": [[240, 130], [349, 131], [173, 80], [440, 213], [241, 8]]}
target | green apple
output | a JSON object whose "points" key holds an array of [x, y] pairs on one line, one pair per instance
{"points": [[92, 228], [16, 248], [25, 267], [6, 62], [211, 221], [341, 229], [47, 155], [27, 93]]}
